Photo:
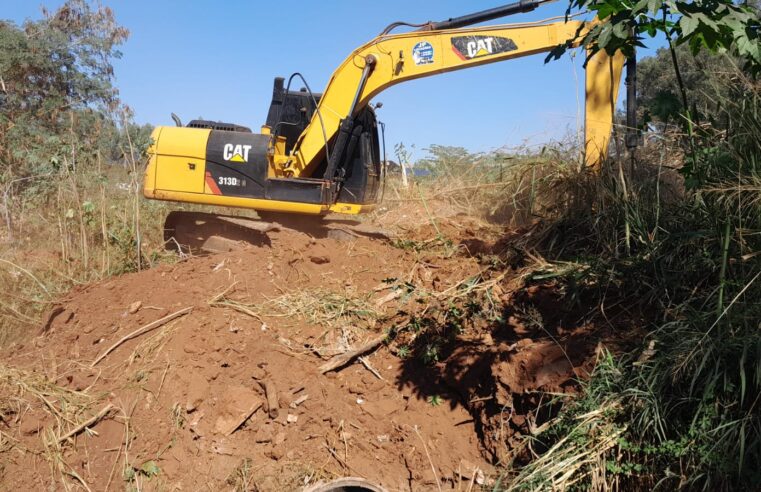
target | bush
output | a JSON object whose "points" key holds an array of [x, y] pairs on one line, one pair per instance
{"points": [[682, 409]]}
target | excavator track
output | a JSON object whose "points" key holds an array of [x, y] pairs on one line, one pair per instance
{"points": [[199, 232]]}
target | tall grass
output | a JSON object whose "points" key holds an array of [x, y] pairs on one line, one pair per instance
{"points": [[684, 408], [83, 229], [512, 188]]}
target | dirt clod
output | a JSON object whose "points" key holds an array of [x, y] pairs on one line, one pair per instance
{"points": [[135, 307]]}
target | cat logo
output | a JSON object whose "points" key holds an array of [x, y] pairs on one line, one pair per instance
{"points": [[236, 153], [480, 47], [469, 47]]}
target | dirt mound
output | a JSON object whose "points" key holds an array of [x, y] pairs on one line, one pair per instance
{"points": [[205, 373]]}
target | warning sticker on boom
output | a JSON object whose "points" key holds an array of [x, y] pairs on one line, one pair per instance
{"points": [[422, 53], [469, 47]]}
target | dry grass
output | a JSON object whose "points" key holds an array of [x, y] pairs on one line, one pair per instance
{"points": [[322, 307], [26, 395], [346, 317], [574, 460], [508, 188], [85, 231]]}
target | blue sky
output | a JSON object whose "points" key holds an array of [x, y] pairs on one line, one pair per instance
{"points": [[218, 59]]}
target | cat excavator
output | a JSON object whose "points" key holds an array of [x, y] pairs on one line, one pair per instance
{"points": [[321, 153]]}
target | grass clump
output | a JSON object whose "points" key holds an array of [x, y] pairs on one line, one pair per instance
{"points": [[680, 254]]}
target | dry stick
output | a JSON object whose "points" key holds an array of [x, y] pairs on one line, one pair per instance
{"points": [[270, 391], [74, 474], [113, 467], [343, 359], [231, 429], [221, 295], [87, 423], [163, 377], [473, 479], [236, 306], [299, 401], [370, 368], [433, 468], [388, 297], [335, 455], [140, 331]]}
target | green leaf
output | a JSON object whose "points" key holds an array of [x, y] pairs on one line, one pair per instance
{"points": [[640, 6], [654, 6], [688, 25], [706, 20], [748, 48], [621, 30], [604, 38], [605, 10]]}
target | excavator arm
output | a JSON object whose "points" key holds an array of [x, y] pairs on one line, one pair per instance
{"points": [[391, 59]]}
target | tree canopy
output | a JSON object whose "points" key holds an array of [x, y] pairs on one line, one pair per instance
{"points": [[56, 87], [713, 25]]}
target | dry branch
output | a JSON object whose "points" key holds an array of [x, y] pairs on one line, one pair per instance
{"points": [[270, 391], [388, 297], [428, 455], [141, 330], [370, 368], [343, 359], [95, 418], [237, 424], [51, 317]]}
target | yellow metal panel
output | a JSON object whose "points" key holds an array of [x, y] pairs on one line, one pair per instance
{"points": [[241, 202], [180, 159], [183, 141], [603, 78], [180, 174], [260, 204], [350, 208]]}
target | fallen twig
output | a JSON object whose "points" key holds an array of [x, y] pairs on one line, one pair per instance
{"points": [[388, 298], [341, 360], [299, 401], [141, 330], [236, 306], [113, 467], [81, 480], [270, 391], [370, 368], [433, 468], [239, 423], [221, 295], [335, 455], [163, 377], [95, 418], [51, 317]]}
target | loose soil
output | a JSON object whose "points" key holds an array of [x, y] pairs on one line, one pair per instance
{"points": [[230, 397]]}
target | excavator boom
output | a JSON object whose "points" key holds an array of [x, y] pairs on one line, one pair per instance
{"points": [[392, 59]]}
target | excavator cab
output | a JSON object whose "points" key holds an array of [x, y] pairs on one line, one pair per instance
{"points": [[289, 115]]}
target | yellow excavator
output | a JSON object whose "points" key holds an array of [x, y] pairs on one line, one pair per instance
{"points": [[320, 153]]}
